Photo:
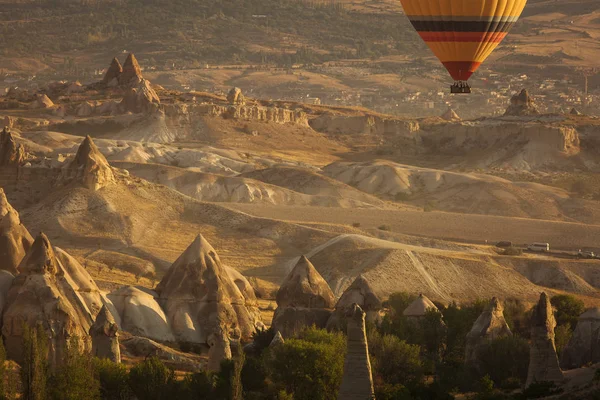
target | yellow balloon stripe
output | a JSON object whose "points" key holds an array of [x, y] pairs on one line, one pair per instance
{"points": [[475, 8]]}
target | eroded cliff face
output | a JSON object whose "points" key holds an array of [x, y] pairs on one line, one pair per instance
{"points": [[364, 124], [505, 144]]}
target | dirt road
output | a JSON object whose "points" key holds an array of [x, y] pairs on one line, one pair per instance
{"points": [[450, 226]]}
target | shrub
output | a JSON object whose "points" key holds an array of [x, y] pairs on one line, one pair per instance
{"points": [[151, 380], [356, 224], [34, 369], [310, 366], [512, 251], [429, 206], [562, 335], [505, 359], [385, 228], [113, 378], [568, 309], [394, 361], [538, 390]]}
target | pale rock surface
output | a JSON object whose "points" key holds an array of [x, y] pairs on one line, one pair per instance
{"points": [[489, 325], [236, 97], [89, 167], [140, 98], [113, 72], [85, 109], [105, 336], [450, 115], [362, 294], [140, 314], [219, 350], [6, 280], [132, 73], [15, 240], [200, 298], [584, 346], [575, 111], [303, 299], [521, 105], [40, 295], [543, 361], [143, 347], [41, 101], [11, 153], [357, 381], [419, 307], [277, 340], [75, 87]]}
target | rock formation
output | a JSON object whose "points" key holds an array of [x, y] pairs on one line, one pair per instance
{"points": [[11, 153], [89, 167], [113, 73], [277, 340], [6, 280], [357, 382], [8, 122], [41, 101], [584, 346], [543, 362], [360, 293], [303, 299], [132, 73], [199, 297], [450, 115], [575, 111], [521, 105], [138, 313], [139, 99], [85, 109], [41, 295], [489, 326], [105, 336], [419, 307], [235, 97], [15, 240], [219, 350]]}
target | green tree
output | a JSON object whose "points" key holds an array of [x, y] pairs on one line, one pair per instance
{"points": [[152, 380], [229, 377], [74, 378], [113, 378], [459, 321], [517, 317], [311, 366], [34, 369], [505, 360], [568, 309], [393, 360], [3, 370], [562, 335]]}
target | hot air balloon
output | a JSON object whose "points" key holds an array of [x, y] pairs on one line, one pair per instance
{"points": [[462, 33]]}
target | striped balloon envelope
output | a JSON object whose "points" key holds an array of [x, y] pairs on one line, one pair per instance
{"points": [[463, 33]]}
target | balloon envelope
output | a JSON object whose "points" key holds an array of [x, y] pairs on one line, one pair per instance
{"points": [[463, 33]]}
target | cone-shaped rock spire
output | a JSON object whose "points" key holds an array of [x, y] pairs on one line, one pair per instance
{"points": [[11, 153], [105, 336], [15, 240], [490, 325], [305, 287], [114, 71], [132, 73], [89, 167]]}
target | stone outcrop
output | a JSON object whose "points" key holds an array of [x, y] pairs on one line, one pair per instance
{"points": [[105, 336], [277, 340], [132, 73], [584, 346], [360, 293], [450, 115], [489, 326], [303, 299], [236, 97], [15, 240], [357, 382], [543, 362], [521, 105], [143, 347], [42, 294], [85, 109], [219, 350], [199, 298], [41, 101], [11, 153], [113, 73], [365, 124], [139, 99], [138, 312], [89, 167], [8, 122], [6, 280], [419, 307]]}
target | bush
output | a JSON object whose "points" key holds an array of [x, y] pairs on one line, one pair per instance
{"points": [[394, 361], [310, 366], [74, 378], [568, 309], [512, 251], [151, 380], [538, 390], [517, 317], [384, 228], [505, 359], [114, 383], [356, 224], [429, 206], [562, 335]]}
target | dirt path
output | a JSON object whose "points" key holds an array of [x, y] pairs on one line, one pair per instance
{"points": [[441, 225]]}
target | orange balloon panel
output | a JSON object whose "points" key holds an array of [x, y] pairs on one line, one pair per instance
{"points": [[463, 33]]}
